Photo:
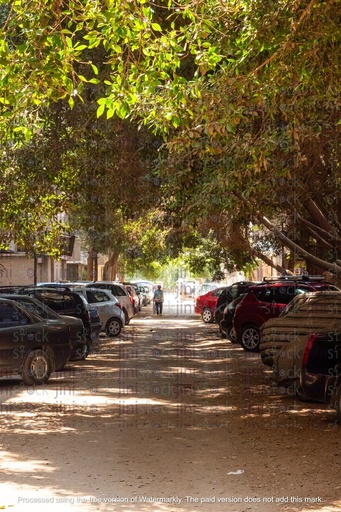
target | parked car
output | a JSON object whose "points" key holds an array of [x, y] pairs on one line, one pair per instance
{"points": [[307, 313], [75, 325], [64, 301], [205, 305], [226, 323], [320, 379], [266, 301], [145, 299], [31, 346], [134, 292], [146, 287], [119, 291], [227, 296], [207, 287], [288, 360], [96, 324], [109, 309]]}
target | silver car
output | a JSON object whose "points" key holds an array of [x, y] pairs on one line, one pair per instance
{"points": [[119, 291], [109, 308]]}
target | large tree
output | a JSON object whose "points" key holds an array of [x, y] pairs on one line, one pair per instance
{"points": [[246, 95]]}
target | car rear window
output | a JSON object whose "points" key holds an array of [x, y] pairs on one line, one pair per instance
{"points": [[96, 296], [41, 310], [117, 290], [278, 294], [53, 300]]}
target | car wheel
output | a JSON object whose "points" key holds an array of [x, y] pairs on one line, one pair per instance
{"points": [[85, 351], [207, 315], [37, 368], [113, 327], [299, 392], [250, 338], [222, 330]]}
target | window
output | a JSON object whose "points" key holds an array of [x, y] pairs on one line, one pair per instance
{"points": [[95, 297], [265, 294], [10, 316], [118, 291], [54, 301]]}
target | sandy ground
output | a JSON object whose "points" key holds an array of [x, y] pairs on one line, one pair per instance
{"points": [[167, 417]]}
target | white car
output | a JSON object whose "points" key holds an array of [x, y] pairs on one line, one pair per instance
{"points": [[109, 308], [119, 291], [147, 289]]}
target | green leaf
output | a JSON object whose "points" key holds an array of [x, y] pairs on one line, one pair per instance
{"points": [[156, 27], [94, 68], [100, 110]]}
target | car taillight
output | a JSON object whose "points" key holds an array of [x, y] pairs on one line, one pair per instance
{"points": [[308, 348], [118, 304]]}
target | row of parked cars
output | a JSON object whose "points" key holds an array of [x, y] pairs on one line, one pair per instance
{"points": [[43, 327], [294, 322]]}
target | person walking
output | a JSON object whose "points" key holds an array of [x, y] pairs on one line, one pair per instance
{"points": [[158, 300]]}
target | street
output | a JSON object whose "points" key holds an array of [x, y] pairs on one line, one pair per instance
{"points": [[166, 417]]}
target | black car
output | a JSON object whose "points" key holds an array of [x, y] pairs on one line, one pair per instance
{"points": [[31, 346], [75, 325], [320, 378], [226, 323], [66, 302], [227, 296]]}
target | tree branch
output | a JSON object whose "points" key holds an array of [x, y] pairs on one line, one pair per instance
{"points": [[268, 261], [332, 267]]}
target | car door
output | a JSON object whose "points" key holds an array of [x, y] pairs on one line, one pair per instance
{"points": [[17, 334]]}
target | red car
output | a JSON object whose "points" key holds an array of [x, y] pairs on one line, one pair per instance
{"points": [[205, 305], [266, 301]]}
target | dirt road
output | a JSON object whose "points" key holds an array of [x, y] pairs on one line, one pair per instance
{"points": [[167, 417]]}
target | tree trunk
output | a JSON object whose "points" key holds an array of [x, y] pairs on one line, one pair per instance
{"points": [[92, 270], [111, 267]]}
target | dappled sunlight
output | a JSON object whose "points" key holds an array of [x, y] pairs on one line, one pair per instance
{"points": [[13, 463], [159, 383]]}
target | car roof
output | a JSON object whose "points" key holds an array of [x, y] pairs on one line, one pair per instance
{"points": [[297, 284], [94, 289]]}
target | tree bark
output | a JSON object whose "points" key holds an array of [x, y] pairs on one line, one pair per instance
{"points": [[111, 267], [92, 269]]}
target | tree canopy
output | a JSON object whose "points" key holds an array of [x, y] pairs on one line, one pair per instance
{"points": [[245, 95]]}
